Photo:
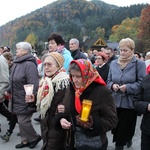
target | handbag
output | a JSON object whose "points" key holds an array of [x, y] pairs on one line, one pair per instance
{"points": [[85, 142]]}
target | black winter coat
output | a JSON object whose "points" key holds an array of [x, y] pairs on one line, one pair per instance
{"points": [[24, 71], [103, 71], [53, 139], [103, 110], [141, 102]]}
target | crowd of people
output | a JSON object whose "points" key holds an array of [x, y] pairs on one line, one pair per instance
{"points": [[117, 84]]}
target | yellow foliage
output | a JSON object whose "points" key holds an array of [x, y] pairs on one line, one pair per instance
{"points": [[32, 39]]}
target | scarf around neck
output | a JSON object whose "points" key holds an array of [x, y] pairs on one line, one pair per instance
{"points": [[73, 53], [60, 49], [47, 88], [89, 75], [124, 62]]}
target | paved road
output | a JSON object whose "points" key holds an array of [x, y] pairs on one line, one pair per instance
{"points": [[16, 139], [136, 138]]}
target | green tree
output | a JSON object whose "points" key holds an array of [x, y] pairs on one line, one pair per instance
{"points": [[99, 32]]}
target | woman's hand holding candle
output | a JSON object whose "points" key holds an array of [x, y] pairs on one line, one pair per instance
{"points": [[29, 98], [86, 125]]}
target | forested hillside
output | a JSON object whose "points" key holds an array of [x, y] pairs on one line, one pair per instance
{"points": [[70, 18]]}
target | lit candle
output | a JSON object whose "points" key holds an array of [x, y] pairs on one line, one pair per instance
{"points": [[86, 108], [28, 89], [85, 114]]}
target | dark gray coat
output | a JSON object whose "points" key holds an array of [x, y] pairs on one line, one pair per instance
{"points": [[24, 71], [77, 54]]}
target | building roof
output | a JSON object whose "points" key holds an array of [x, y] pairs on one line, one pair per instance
{"points": [[113, 45], [94, 43]]}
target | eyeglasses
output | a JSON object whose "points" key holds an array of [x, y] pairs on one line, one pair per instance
{"points": [[98, 58], [125, 50], [108, 53]]}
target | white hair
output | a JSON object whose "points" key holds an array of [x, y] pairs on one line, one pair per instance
{"points": [[147, 62], [25, 46], [75, 41], [148, 53]]}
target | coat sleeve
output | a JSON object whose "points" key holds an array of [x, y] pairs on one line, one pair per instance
{"points": [[107, 118], [133, 88], [109, 78], [4, 76], [32, 76], [104, 112], [139, 104], [59, 116]]}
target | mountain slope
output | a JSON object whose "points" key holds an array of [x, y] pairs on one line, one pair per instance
{"points": [[70, 18]]}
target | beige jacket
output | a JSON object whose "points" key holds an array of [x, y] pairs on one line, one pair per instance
{"points": [[4, 77]]}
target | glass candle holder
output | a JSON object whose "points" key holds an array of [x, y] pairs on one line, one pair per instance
{"points": [[28, 89], [86, 108]]}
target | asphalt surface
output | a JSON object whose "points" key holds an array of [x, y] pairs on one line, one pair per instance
{"points": [[14, 139], [136, 139]]}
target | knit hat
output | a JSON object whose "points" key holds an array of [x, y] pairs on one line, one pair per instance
{"points": [[103, 55], [58, 58]]}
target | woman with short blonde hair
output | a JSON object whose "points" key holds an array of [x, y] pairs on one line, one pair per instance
{"points": [[124, 78]]}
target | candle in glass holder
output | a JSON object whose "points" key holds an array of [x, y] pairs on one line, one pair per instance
{"points": [[86, 108], [28, 89]]}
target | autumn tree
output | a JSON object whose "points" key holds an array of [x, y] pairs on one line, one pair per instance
{"points": [[32, 39], [127, 28], [144, 28]]}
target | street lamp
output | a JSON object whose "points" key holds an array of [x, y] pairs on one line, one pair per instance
{"points": [[45, 45]]}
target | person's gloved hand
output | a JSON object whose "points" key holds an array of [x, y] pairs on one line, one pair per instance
{"points": [[79, 122], [86, 125], [89, 124]]}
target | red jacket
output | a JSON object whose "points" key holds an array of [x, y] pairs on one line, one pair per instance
{"points": [[148, 69]]}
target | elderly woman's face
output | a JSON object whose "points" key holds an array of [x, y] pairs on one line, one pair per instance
{"points": [[72, 45], [20, 52], [50, 66], [76, 78], [125, 52]]}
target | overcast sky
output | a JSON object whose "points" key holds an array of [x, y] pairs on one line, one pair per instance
{"points": [[12, 9]]}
